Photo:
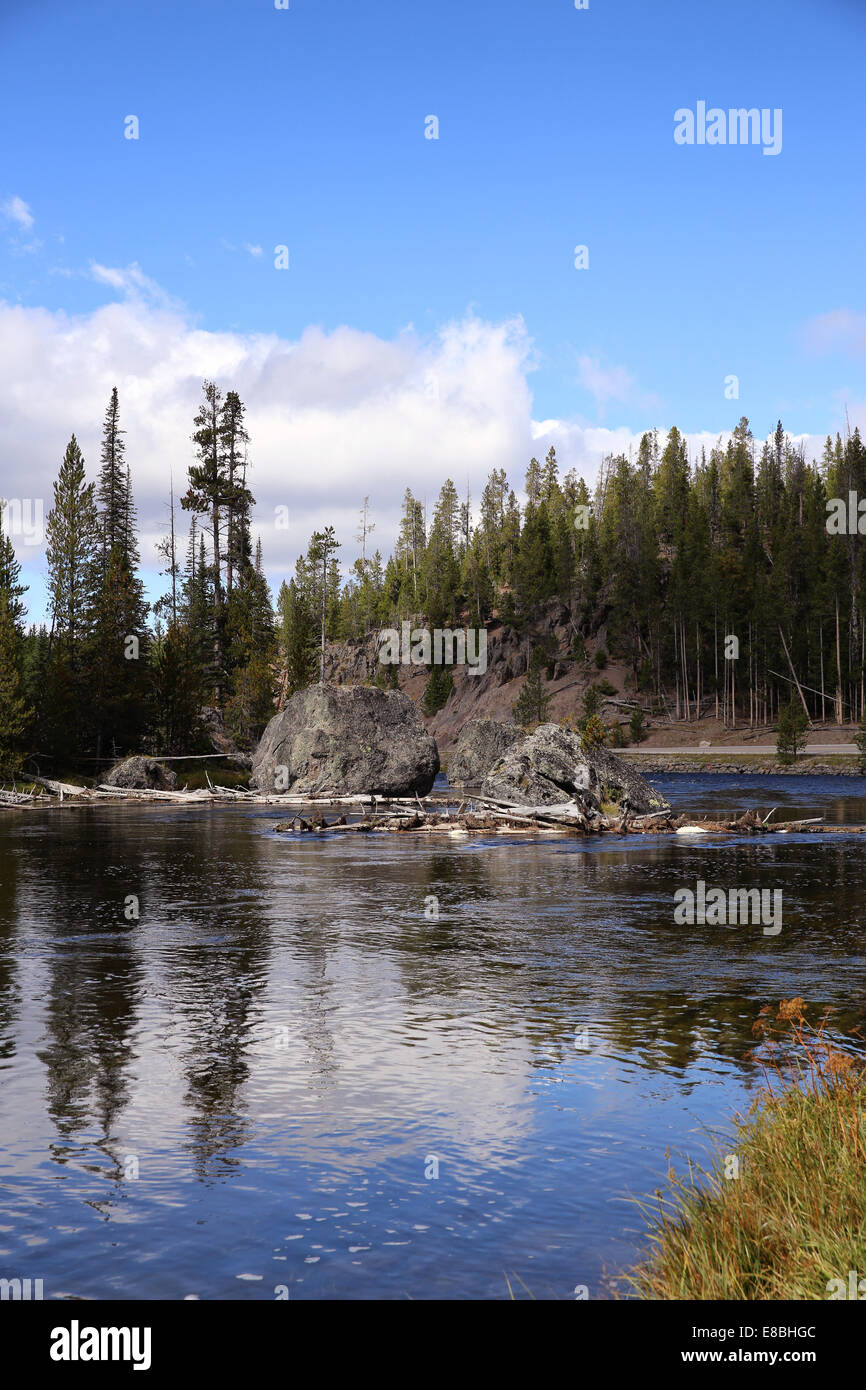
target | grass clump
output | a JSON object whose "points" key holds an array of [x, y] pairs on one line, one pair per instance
{"points": [[784, 1212]]}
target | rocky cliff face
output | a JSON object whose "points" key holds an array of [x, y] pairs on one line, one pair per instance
{"points": [[492, 694], [339, 740]]}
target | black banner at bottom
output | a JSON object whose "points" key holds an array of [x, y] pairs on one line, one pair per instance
{"points": [[83, 1339]]}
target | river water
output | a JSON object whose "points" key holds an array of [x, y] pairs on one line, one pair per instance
{"points": [[290, 1078]]}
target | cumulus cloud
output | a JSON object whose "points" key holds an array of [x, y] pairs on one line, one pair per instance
{"points": [[334, 416]]}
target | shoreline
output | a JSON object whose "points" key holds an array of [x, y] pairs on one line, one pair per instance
{"points": [[720, 764]]}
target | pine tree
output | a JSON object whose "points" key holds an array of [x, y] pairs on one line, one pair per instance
{"points": [[72, 536], [71, 532], [10, 575], [239, 501], [111, 492], [322, 548], [206, 496], [532, 704], [117, 647]]}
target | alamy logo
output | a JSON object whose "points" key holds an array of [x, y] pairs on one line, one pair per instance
{"points": [[846, 518], [713, 907], [24, 518], [855, 1288], [736, 126], [458, 647], [21, 1290], [77, 1343]]}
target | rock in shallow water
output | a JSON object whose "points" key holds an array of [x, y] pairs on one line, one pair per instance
{"points": [[550, 766], [340, 740], [141, 774]]}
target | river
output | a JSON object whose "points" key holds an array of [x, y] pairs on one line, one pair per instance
{"points": [[288, 1077]]}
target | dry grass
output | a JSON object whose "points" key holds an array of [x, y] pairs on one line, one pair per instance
{"points": [[795, 1218]]}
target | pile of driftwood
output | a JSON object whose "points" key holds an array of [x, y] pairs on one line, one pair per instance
{"points": [[55, 793], [480, 816], [435, 814]]}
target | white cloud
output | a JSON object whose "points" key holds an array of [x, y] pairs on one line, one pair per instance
{"points": [[16, 210], [333, 416], [253, 250], [132, 283]]}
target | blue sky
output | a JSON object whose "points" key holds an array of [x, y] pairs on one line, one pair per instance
{"points": [[262, 127]]}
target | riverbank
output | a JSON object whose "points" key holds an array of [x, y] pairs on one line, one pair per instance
{"points": [[783, 1214], [748, 765]]}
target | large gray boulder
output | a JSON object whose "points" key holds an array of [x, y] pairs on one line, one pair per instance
{"points": [[479, 745], [338, 740], [141, 774], [550, 766]]}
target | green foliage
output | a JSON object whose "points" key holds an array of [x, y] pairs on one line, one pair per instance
{"points": [[668, 555], [297, 633], [637, 726], [439, 686], [14, 712], [791, 731], [533, 703]]}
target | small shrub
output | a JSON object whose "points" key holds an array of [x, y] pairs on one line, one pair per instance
{"points": [[594, 733], [637, 726], [791, 731], [601, 659]]}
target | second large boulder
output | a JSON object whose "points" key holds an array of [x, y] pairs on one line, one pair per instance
{"points": [[551, 766]]}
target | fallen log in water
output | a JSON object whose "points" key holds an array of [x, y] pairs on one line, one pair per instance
{"points": [[153, 794], [16, 798], [60, 789]]}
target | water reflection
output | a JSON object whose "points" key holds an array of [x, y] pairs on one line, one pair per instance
{"points": [[285, 1037]]}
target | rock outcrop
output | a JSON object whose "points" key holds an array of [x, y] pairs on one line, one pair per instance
{"points": [[550, 766], [141, 774], [338, 740], [479, 746]]}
